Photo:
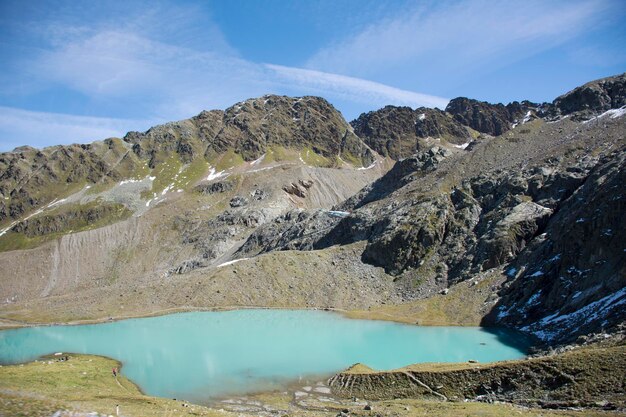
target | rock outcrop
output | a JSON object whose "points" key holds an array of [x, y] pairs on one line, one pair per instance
{"points": [[572, 279], [214, 187], [493, 119], [592, 98], [299, 188], [396, 131], [251, 127]]}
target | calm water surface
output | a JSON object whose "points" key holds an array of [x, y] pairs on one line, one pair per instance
{"points": [[204, 355]]}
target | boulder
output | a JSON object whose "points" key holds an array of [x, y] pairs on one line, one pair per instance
{"points": [[238, 201], [215, 187]]}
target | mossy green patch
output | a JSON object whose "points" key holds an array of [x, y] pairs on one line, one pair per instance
{"points": [[227, 160], [192, 173], [16, 405], [16, 241], [174, 175], [279, 154], [310, 157], [465, 305], [352, 159], [57, 190], [166, 173], [475, 134]]}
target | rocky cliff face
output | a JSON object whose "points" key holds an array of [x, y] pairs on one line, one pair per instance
{"points": [[30, 177], [397, 131], [572, 277], [493, 119], [593, 98]]}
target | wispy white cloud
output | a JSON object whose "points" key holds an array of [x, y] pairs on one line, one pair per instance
{"points": [[172, 82], [167, 80], [351, 88], [115, 64], [106, 64], [460, 37], [40, 129]]}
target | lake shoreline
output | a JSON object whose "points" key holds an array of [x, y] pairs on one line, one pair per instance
{"points": [[6, 323], [249, 350]]}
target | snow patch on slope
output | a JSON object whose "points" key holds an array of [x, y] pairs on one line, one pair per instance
{"points": [[555, 325], [368, 167], [213, 175], [234, 261], [257, 161], [613, 114], [463, 146]]}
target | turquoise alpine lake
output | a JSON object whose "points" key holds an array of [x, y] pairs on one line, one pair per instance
{"points": [[201, 356]]}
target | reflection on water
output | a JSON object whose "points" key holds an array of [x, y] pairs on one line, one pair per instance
{"points": [[204, 355]]}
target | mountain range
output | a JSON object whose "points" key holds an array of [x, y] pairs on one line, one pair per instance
{"points": [[480, 213]]}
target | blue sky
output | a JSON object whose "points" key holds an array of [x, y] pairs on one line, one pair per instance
{"points": [[74, 71]]}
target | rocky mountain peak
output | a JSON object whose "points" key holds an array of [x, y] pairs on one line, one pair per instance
{"points": [[397, 131], [253, 125], [493, 119], [248, 129], [592, 98]]}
